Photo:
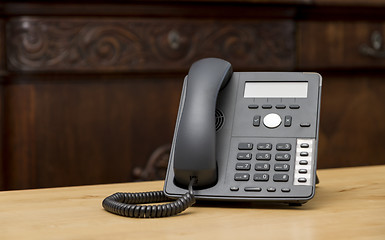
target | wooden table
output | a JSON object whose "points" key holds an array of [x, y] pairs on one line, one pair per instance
{"points": [[349, 204]]}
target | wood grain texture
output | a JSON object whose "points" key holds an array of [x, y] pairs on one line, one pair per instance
{"points": [[348, 204], [2, 73], [379, 3], [72, 45], [2, 47], [352, 129], [62, 133], [336, 45]]}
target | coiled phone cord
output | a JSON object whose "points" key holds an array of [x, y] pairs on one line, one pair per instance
{"points": [[125, 204]]}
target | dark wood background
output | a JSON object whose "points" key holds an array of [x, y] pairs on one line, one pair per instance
{"points": [[89, 90]]}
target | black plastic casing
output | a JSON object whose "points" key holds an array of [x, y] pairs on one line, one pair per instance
{"points": [[238, 128]]}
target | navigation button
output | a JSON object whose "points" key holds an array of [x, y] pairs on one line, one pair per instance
{"points": [[287, 121], [256, 121], [272, 120]]}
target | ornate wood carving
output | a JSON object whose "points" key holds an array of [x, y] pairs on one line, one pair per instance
{"points": [[122, 44]]}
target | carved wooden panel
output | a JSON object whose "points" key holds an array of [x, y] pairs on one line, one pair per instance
{"points": [[346, 45], [123, 44]]}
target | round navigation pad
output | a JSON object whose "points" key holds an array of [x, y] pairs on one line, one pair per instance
{"points": [[272, 120]]}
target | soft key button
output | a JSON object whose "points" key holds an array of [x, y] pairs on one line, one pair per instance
{"points": [[272, 120]]}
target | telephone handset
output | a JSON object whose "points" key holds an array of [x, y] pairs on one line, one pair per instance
{"points": [[242, 136]]}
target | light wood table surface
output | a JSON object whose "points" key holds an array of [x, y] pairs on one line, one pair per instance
{"points": [[349, 204]]}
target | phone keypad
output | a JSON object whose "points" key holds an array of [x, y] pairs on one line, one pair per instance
{"points": [[279, 165], [259, 166]]}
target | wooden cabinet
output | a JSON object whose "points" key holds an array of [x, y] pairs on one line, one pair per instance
{"points": [[89, 90], [336, 45]]}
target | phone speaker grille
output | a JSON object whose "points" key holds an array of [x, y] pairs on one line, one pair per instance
{"points": [[219, 119]]}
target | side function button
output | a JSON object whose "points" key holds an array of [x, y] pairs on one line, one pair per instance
{"points": [[305, 124], [267, 106], [302, 180], [303, 162], [294, 106], [244, 156], [264, 146], [288, 120], [302, 171], [281, 167], [282, 157], [245, 146], [262, 167], [281, 177], [283, 147], [280, 106], [256, 121], [261, 177], [253, 106], [241, 177], [263, 156], [271, 189], [243, 166], [304, 154], [253, 189], [234, 189], [304, 145]]}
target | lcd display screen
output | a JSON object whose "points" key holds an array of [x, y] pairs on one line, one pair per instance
{"points": [[276, 90]]}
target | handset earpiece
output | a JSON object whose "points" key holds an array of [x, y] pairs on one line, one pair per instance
{"points": [[194, 147]]}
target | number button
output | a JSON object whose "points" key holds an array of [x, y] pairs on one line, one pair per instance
{"points": [[264, 146], [280, 178], [262, 167], [241, 177], [282, 157], [243, 166], [283, 146], [281, 167], [245, 146], [263, 156], [261, 177], [244, 156]]}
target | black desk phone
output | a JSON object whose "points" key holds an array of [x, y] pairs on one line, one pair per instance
{"points": [[239, 136]]}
